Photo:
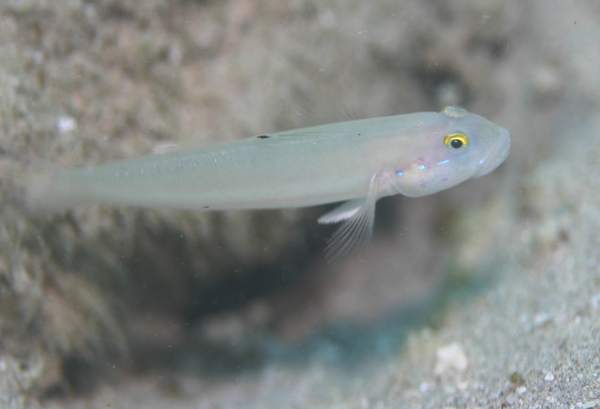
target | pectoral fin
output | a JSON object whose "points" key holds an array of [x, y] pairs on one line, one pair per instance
{"points": [[343, 212], [359, 214]]}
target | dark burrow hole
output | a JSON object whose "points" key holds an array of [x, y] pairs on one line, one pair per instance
{"points": [[227, 295]]}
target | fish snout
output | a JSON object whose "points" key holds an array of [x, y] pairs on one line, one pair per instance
{"points": [[497, 154]]}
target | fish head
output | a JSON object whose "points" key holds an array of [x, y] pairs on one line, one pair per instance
{"points": [[458, 146]]}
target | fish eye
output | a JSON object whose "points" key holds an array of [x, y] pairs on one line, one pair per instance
{"points": [[456, 140]]}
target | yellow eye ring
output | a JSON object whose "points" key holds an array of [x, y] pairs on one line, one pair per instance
{"points": [[456, 140]]}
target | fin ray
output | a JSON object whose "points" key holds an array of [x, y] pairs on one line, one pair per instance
{"points": [[342, 212], [354, 235]]}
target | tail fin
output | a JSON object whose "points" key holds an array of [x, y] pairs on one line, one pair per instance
{"points": [[39, 188], [53, 189]]}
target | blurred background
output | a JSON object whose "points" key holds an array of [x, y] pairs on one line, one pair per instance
{"points": [[463, 298]]}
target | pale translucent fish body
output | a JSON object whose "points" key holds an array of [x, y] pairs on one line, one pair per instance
{"points": [[359, 160]]}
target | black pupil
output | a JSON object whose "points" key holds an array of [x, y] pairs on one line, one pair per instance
{"points": [[456, 143]]}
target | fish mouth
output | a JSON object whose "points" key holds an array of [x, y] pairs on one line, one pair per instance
{"points": [[497, 155]]}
